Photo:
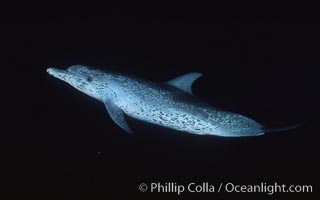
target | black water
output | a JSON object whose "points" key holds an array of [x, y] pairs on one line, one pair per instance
{"points": [[60, 144]]}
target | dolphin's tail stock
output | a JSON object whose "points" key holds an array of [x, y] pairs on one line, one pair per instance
{"points": [[282, 128]]}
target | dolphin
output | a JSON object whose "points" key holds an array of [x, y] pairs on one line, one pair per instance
{"points": [[171, 104]]}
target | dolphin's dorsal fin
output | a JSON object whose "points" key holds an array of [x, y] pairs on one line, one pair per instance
{"points": [[117, 115], [184, 82]]}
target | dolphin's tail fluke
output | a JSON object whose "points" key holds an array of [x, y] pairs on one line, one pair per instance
{"points": [[283, 128]]}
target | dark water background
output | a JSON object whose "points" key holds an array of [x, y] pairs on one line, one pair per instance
{"points": [[60, 144]]}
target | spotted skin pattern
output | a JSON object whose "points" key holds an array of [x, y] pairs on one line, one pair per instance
{"points": [[160, 104]]}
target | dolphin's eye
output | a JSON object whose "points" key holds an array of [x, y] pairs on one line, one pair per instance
{"points": [[89, 78]]}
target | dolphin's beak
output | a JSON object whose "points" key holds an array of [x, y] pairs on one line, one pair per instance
{"points": [[53, 71], [60, 74]]}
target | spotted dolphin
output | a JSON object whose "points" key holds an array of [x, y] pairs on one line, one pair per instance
{"points": [[171, 104]]}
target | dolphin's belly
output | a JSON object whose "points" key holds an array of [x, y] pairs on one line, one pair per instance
{"points": [[168, 114]]}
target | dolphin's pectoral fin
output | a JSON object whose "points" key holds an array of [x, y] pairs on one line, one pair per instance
{"points": [[185, 81], [117, 116]]}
